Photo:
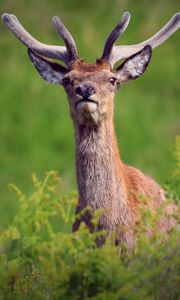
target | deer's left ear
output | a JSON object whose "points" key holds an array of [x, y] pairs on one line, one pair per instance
{"points": [[135, 65], [49, 71]]}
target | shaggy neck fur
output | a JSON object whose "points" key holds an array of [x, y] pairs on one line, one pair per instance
{"points": [[98, 164]]}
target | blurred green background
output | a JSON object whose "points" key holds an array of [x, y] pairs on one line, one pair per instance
{"points": [[36, 133]]}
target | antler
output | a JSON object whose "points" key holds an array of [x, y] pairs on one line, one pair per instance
{"points": [[66, 54], [66, 36], [115, 53], [113, 36]]}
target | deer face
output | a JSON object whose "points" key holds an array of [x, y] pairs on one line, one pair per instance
{"points": [[90, 89]]}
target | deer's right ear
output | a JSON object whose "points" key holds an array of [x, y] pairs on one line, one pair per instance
{"points": [[49, 71], [135, 65]]}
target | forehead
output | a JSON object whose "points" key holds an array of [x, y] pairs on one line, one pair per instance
{"points": [[81, 69]]}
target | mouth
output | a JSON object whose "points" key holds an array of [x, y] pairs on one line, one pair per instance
{"points": [[86, 100], [86, 105]]}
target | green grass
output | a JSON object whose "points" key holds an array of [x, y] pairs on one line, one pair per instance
{"points": [[36, 132]]}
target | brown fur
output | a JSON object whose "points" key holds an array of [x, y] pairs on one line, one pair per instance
{"points": [[81, 66], [104, 181]]}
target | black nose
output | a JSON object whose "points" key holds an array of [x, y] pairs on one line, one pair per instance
{"points": [[85, 90]]}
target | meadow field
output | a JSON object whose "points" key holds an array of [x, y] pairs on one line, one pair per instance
{"points": [[36, 133]]}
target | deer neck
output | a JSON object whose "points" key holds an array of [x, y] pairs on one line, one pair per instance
{"points": [[100, 181]]}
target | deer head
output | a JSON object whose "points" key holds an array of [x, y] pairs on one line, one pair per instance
{"points": [[90, 87]]}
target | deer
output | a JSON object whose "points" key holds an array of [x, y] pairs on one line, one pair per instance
{"points": [[104, 181]]}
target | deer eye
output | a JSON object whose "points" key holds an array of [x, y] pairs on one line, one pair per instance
{"points": [[112, 80], [67, 81]]}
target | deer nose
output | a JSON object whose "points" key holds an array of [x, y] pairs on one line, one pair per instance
{"points": [[85, 90]]}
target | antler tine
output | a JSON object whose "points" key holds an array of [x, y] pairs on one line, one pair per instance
{"points": [[51, 51], [113, 36], [122, 52], [66, 36]]}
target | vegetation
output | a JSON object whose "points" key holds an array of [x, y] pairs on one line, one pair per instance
{"points": [[40, 262]]}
